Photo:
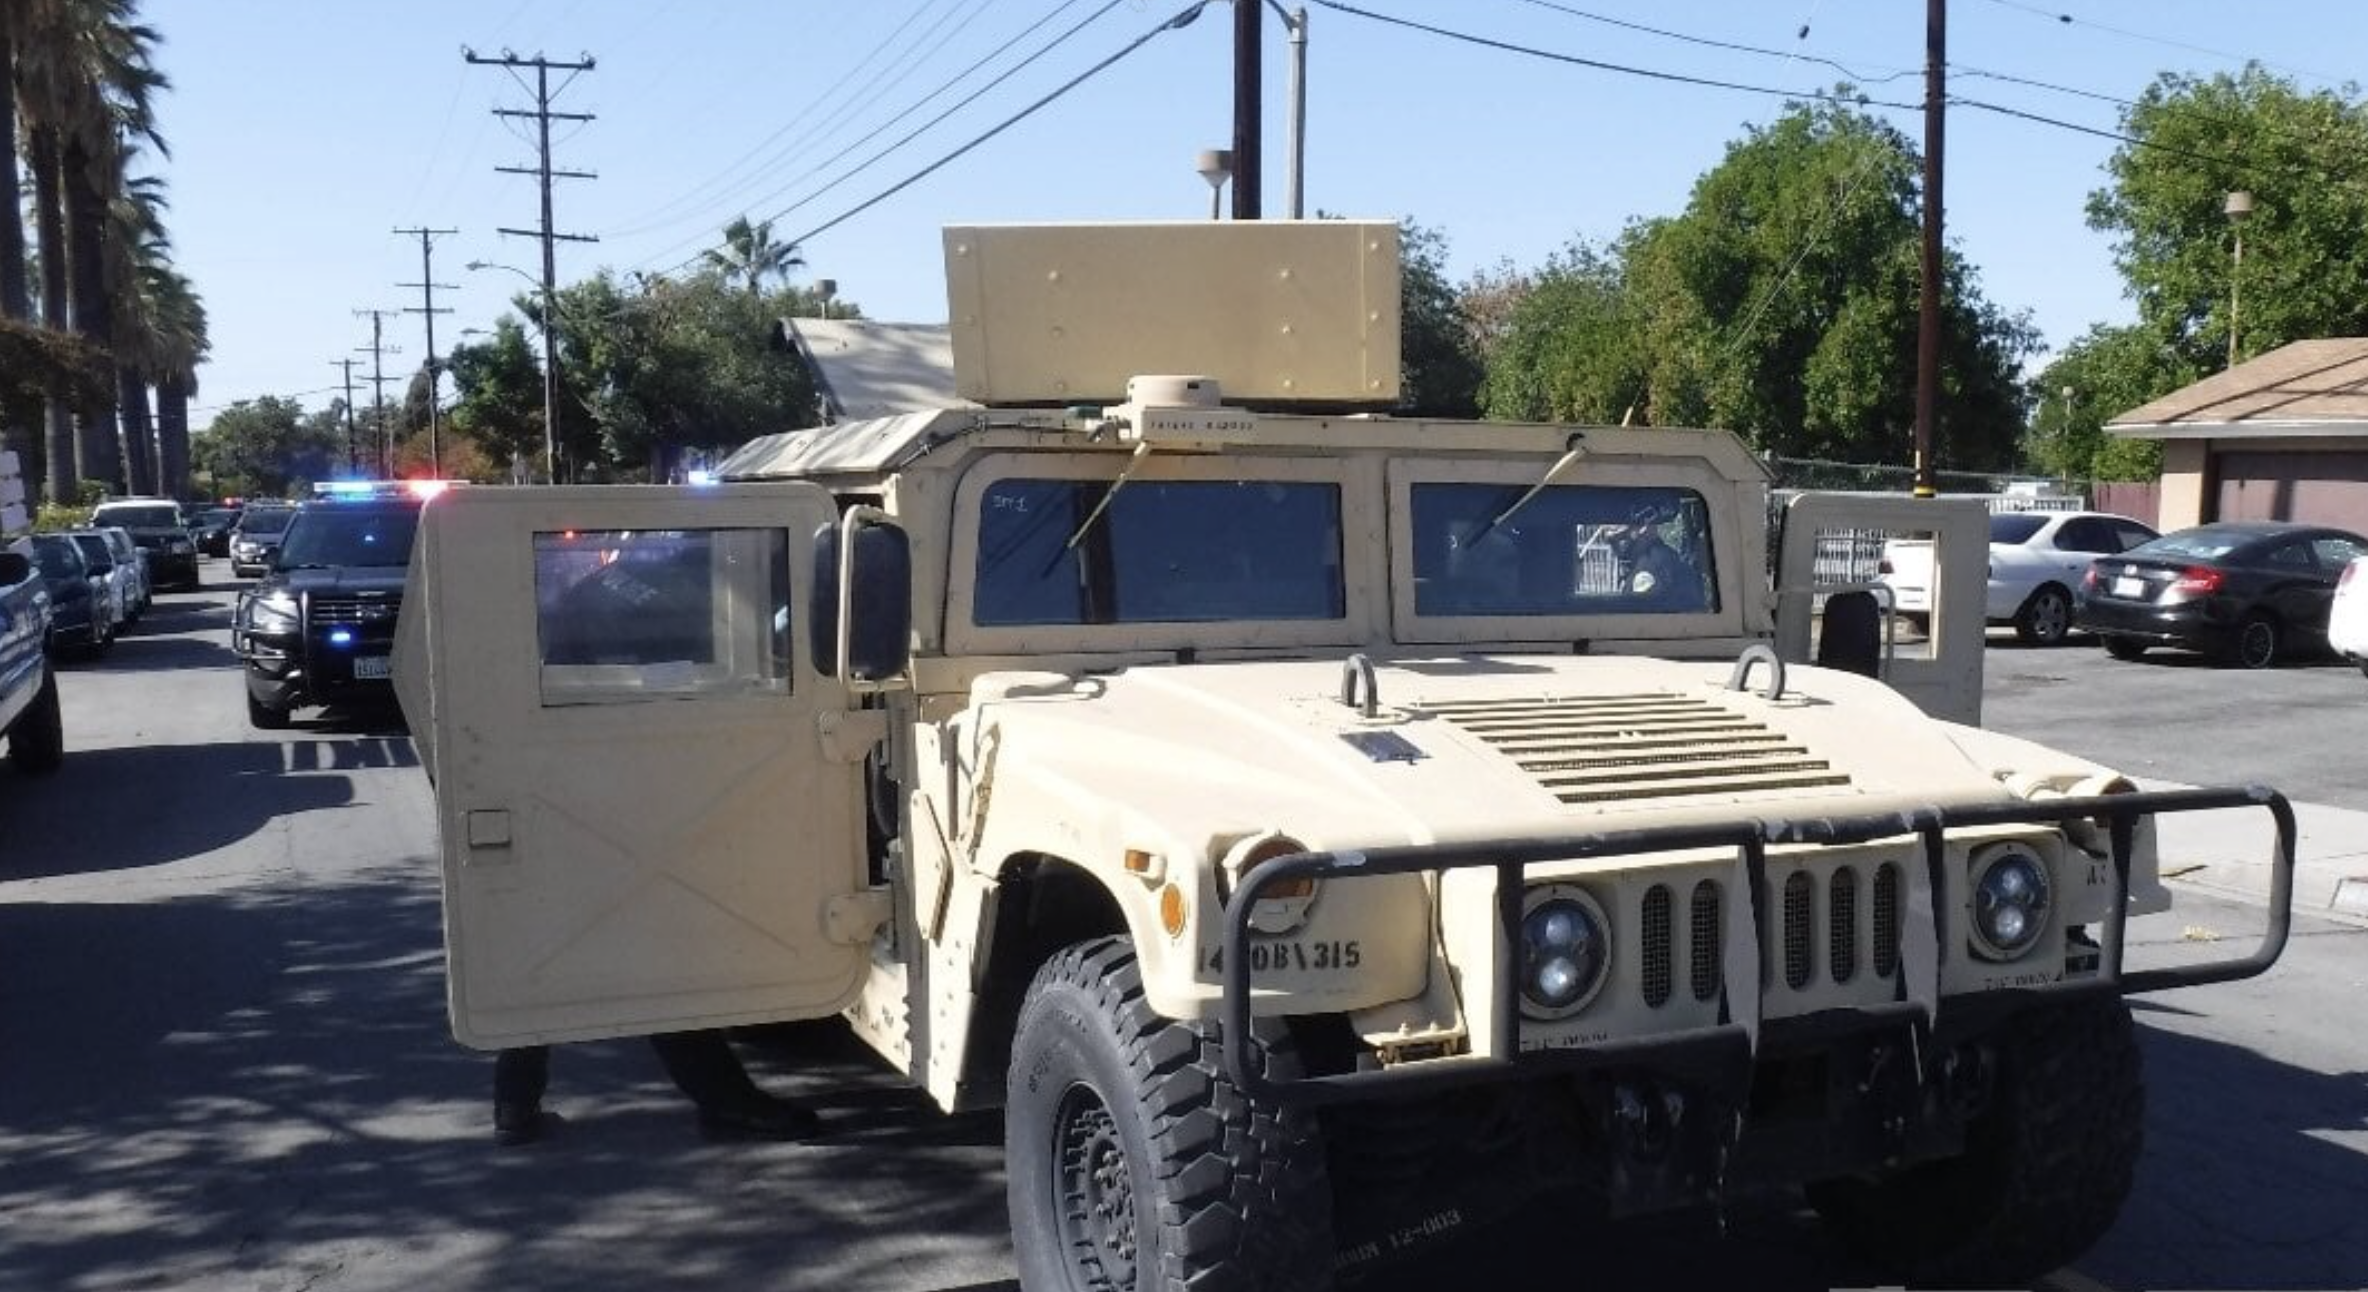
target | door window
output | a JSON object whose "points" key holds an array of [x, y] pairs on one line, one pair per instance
{"points": [[661, 614], [2333, 551]]}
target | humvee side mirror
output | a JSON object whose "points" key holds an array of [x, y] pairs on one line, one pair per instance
{"points": [[878, 594], [14, 568]]}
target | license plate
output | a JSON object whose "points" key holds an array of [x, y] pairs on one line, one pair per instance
{"points": [[370, 666], [2129, 587]]}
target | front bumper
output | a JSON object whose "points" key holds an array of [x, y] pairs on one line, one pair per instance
{"points": [[335, 657], [1725, 1054]]}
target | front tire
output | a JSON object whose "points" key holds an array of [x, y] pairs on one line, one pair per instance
{"points": [[2046, 1167], [262, 717], [2046, 618], [38, 744], [1135, 1162]]}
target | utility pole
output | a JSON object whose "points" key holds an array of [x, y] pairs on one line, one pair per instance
{"points": [[543, 117], [353, 461], [379, 349], [1246, 71], [427, 286], [1936, 62]]}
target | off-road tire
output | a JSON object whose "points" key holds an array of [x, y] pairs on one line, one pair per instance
{"points": [[2258, 642], [2124, 648], [2046, 617], [1134, 1160], [37, 744], [262, 717], [2046, 1167]]}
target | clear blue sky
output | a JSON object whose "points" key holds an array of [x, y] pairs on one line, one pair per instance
{"points": [[304, 131]]}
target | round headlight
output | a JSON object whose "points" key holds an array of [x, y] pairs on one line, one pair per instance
{"points": [[2011, 895], [1565, 951]]}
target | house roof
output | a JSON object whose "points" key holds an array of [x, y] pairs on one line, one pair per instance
{"points": [[2306, 389]]}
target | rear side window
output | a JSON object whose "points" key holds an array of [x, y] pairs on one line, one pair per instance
{"points": [[2019, 526], [1176, 552], [2289, 556]]}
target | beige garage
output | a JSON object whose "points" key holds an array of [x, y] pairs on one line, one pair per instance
{"points": [[2281, 437]]}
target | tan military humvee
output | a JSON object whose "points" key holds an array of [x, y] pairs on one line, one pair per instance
{"points": [[1315, 829]]}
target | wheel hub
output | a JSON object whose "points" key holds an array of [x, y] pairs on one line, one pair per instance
{"points": [[1095, 1191]]}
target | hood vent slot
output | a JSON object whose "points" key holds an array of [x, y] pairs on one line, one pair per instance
{"points": [[1635, 748]]}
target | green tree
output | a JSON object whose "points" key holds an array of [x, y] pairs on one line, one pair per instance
{"points": [[1439, 364], [498, 397], [268, 447], [1568, 347], [1781, 303], [2108, 371], [2303, 158]]}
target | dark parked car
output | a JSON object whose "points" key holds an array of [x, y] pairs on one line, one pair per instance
{"points": [[211, 528], [157, 526], [81, 608], [320, 626], [2247, 592]]}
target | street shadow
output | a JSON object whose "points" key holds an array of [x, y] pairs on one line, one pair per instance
{"points": [[131, 808], [266, 1075], [150, 653]]}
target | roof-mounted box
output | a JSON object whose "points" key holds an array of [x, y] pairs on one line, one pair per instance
{"points": [[1278, 311]]}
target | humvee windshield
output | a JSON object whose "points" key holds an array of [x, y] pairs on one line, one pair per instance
{"points": [[1570, 550], [1184, 551]]}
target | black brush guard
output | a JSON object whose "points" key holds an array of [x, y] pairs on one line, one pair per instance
{"points": [[1751, 838]]}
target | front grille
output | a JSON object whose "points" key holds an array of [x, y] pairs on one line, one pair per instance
{"points": [[1657, 951], [1841, 920], [354, 610], [1641, 747], [1886, 919], [1703, 943], [1796, 930]]}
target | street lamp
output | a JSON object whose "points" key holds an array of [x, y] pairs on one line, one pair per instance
{"points": [[1295, 22], [550, 367], [1216, 166], [2238, 206]]}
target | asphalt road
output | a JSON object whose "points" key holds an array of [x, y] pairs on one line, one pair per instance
{"points": [[224, 1064]]}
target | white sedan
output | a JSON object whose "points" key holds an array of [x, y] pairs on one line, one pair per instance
{"points": [[2347, 619], [2036, 559]]}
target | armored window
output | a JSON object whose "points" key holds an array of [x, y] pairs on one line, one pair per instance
{"points": [[1480, 549], [641, 614], [1176, 551]]}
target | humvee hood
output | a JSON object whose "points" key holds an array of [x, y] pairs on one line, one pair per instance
{"points": [[1477, 747]]}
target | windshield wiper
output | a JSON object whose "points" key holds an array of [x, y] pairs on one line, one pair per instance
{"points": [[1142, 454], [1573, 451]]}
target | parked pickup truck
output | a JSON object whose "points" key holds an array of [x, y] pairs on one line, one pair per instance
{"points": [[29, 719]]}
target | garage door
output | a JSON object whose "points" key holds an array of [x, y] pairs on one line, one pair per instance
{"points": [[2323, 488]]}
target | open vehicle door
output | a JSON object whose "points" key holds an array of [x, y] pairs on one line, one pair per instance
{"points": [[1826, 538], [644, 828]]}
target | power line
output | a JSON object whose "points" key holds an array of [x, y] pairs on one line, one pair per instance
{"points": [[926, 126], [1710, 43], [378, 350], [543, 116], [720, 182], [427, 310], [1182, 18], [2063, 19], [1624, 69]]}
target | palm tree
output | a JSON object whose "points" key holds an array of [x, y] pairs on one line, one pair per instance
{"points": [[84, 84], [750, 254], [16, 294], [181, 345], [136, 249]]}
